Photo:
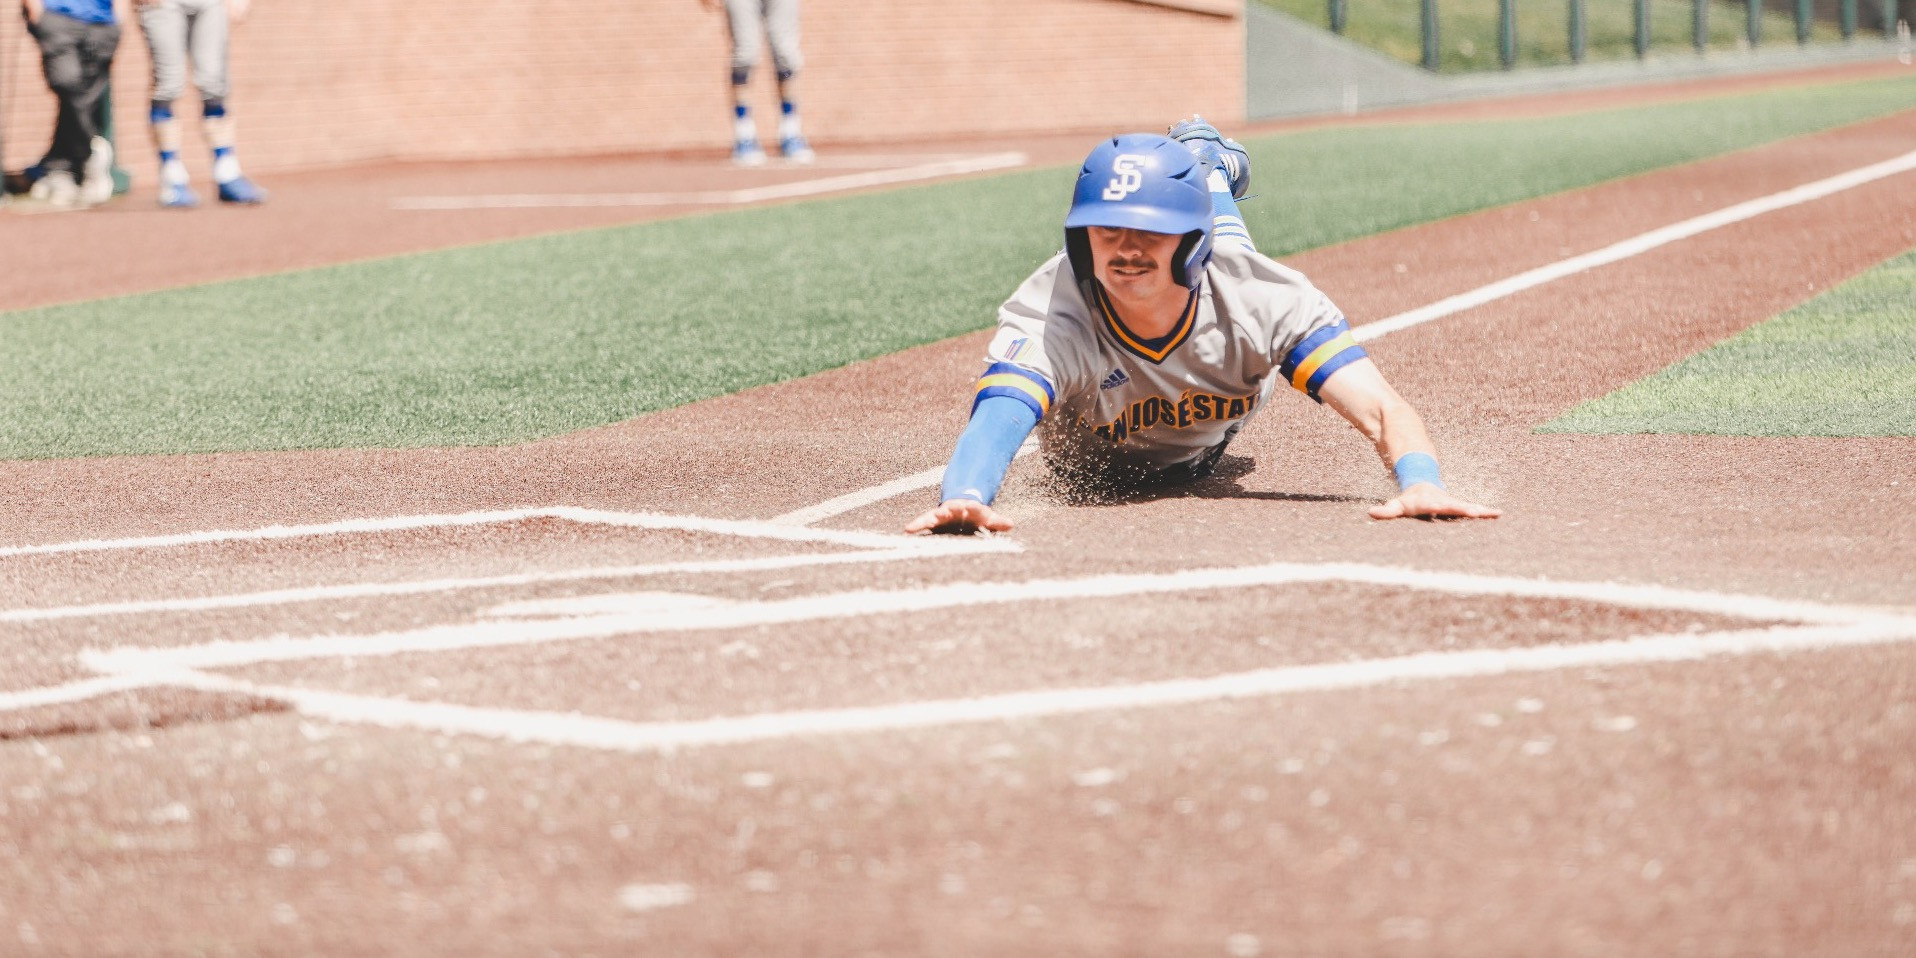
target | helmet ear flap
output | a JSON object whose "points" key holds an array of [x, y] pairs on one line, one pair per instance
{"points": [[1077, 248], [1193, 252]]}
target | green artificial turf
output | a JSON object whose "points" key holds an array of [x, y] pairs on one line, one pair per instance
{"points": [[516, 340], [1467, 29], [1842, 364]]}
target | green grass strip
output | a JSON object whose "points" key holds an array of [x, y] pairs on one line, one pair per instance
{"points": [[517, 340], [1842, 364], [1467, 29]]}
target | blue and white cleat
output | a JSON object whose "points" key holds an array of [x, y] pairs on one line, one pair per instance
{"points": [[242, 191], [178, 196], [747, 153], [1220, 151], [795, 149]]}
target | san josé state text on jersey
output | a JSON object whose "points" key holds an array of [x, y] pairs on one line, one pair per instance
{"points": [[1163, 401], [1191, 408]]}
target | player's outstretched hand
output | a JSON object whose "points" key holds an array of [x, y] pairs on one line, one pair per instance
{"points": [[959, 517], [1427, 501]]}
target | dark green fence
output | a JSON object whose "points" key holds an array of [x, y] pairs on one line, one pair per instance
{"points": [[1514, 23]]}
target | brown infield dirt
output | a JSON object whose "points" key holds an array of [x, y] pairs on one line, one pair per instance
{"points": [[1755, 805]]}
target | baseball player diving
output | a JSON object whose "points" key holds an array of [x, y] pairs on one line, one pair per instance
{"points": [[1141, 350]]}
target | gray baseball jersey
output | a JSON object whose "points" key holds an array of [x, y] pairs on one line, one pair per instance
{"points": [[1107, 397]]}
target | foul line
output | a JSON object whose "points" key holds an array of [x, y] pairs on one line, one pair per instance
{"points": [[1637, 244], [1468, 300], [757, 194]]}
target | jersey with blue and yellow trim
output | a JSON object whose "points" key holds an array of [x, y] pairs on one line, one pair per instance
{"points": [[1105, 395]]}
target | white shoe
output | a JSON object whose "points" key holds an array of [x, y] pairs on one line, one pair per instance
{"points": [[747, 153], [795, 149], [97, 188], [60, 188]]}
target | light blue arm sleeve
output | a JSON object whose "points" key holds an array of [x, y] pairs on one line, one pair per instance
{"points": [[999, 425]]}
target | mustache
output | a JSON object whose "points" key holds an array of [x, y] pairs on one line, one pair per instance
{"points": [[1132, 262]]}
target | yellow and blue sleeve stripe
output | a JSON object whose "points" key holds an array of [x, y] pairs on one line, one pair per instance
{"points": [[1320, 354], [1016, 382]]}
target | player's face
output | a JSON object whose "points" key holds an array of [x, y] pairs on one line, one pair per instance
{"points": [[1132, 264]]}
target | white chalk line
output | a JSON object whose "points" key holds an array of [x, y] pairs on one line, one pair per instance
{"points": [[1826, 626], [572, 729], [921, 549], [964, 595], [1881, 629], [747, 528], [81, 690], [757, 194], [879, 493], [876, 161], [1637, 244], [1473, 298]]}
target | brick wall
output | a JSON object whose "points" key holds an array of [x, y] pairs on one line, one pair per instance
{"points": [[343, 81]]}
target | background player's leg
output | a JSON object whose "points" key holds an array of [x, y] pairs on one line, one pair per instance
{"points": [[164, 25], [233, 184], [66, 131], [98, 43], [176, 190], [791, 136], [742, 19], [207, 39], [76, 78], [781, 24]]}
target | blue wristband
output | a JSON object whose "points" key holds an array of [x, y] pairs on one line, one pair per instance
{"points": [[1415, 467]]}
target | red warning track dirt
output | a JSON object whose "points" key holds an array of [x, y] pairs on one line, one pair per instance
{"points": [[1731, 806]]}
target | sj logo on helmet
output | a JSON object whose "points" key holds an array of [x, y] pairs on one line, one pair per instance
{"points": [[1128, 180]]}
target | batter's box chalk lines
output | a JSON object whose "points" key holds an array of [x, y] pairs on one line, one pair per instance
{"points": [[637, 520], [81, 691], [757, 194], [879, 493], [872, 547], [572, 729], [967, 595], [1478, 297], [370, 590]]}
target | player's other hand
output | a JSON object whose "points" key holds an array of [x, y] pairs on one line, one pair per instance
{"points": [[1427, 501], [959, 517]]}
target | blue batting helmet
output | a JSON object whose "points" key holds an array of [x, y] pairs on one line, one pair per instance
{"points": [[1148, 182]]}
